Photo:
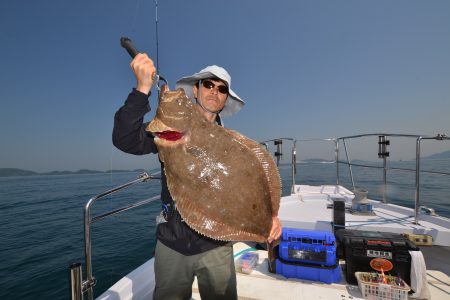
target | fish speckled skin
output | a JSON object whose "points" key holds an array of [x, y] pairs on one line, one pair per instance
{"points": [[225, 185]]}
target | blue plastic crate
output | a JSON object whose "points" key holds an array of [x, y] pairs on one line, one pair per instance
{"points": [[308, 246], [326, 274]]}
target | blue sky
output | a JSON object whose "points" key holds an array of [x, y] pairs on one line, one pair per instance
{"points": [[304, 68]]}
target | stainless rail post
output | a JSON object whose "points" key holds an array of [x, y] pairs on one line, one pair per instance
{"points": [[279, 153], [87, 250], [76, 282], [417, 195], [294, 165], [349, 165], [90, 282], [336, 159], [383, 142], [384, 180]]}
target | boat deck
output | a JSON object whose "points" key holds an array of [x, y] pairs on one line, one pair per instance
{"points": [[309, 208], [261, 284]]}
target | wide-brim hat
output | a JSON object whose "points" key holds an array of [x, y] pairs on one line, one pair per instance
{"points": [[233, 104]]}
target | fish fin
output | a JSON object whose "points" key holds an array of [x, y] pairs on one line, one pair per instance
{"points": [[269, 167], [217, 230]]}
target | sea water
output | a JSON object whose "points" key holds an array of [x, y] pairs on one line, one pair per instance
{"points": [[41, 221]]}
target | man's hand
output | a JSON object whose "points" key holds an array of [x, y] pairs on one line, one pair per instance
{"points": [[144, 70], [275, 231]]}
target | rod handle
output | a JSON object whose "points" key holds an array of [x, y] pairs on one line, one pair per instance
{"points": [[128, 45]]}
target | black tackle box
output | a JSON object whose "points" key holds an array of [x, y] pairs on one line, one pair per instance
{"points": [[369, 251]]}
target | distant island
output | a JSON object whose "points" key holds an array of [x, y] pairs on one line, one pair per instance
{"points": [[442, 155], [7, 172]]}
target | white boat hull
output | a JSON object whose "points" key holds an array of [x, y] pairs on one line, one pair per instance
{"points": [[307, 209]]}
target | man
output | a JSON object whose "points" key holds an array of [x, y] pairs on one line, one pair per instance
{"points": [[181, 253]]}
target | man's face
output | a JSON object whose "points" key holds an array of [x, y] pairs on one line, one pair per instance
{"points": [[213, 94]]}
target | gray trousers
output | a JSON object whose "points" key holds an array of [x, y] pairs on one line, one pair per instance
{"points": [[174, 274]]}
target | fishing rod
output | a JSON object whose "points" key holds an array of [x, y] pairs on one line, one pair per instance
{"points": [[132, 51], [157, 37]]}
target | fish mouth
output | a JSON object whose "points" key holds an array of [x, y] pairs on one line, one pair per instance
{"points": [[163, 132], [169, 135]]}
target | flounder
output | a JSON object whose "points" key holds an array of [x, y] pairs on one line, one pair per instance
{"points": [[225, 185]]}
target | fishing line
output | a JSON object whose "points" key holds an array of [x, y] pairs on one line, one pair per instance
{"points": [[126, 43], [111, 157], [158, 78], [133, 23], [111, 166], [111, 270], [133, 26], [157, 38]]}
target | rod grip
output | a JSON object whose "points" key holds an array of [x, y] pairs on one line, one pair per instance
{"points": [[128, 45]]}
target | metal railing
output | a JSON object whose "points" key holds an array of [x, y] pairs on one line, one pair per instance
{"points": [[383, 142], [383, 153], [78, 286]]}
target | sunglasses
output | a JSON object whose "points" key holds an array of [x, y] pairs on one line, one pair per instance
{"points": [[208, 84]]}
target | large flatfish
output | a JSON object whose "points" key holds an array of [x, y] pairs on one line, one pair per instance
{"points": [[225, 185]]}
